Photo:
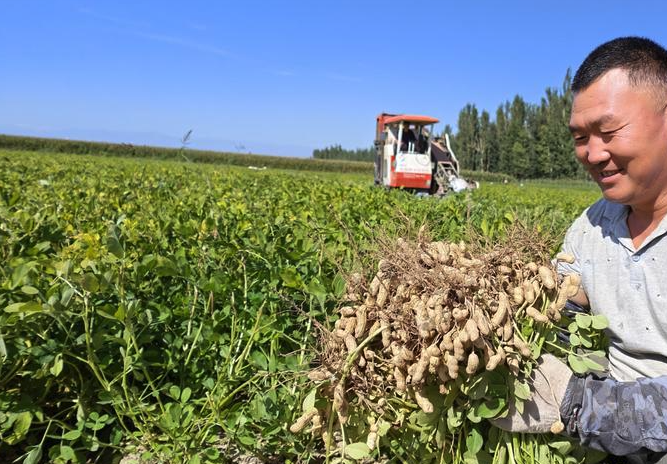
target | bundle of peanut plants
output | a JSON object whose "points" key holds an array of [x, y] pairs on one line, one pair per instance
{"points": [[440, 340]]}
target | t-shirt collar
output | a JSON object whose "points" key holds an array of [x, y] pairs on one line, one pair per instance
{"points": [[617, 215]]}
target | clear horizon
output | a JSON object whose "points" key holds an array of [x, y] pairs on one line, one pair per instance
{"points": [[285, 78]]}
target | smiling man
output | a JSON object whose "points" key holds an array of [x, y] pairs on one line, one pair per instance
{"points": [[619, 124]]}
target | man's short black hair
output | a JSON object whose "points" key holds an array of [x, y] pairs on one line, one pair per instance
{"points": [[644, 60]]}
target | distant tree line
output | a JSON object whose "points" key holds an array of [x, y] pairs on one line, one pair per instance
{"points": [[524, 140], [338, 152]]}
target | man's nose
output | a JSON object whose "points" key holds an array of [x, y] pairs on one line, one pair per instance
{"points": [[596, 151]]}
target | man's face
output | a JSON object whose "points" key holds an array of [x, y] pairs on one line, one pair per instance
{"points": [[620, 136]]}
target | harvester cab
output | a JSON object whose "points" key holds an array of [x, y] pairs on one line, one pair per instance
{"points": [[409, 156]]}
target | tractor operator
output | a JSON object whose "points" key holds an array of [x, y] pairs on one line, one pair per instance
{"points": [[619, 125]]}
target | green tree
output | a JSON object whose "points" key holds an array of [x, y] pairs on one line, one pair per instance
{"points": [[466, 142], [525, 140], [488, 142]]}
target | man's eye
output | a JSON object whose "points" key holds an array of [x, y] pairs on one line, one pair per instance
{"points": [[613, 131], [580, 138]]}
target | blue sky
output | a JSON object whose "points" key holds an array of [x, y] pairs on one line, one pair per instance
{"points": [[284, 77]]}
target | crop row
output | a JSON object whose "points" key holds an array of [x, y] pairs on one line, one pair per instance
{"points": [[126, 150]]}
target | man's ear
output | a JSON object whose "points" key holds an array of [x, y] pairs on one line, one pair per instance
{"points": [[661, 98], [664, 114]]}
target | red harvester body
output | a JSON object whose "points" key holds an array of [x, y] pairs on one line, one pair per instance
{"points": [[409, 156]]}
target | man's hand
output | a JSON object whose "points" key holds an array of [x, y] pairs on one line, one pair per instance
{"points": [[542, 411], [580, 298]]}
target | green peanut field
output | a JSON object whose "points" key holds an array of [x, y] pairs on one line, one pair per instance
{"points": [[169, 309]]}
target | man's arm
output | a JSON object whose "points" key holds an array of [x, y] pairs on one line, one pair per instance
{"points": [[620, 418], [580, 298]]}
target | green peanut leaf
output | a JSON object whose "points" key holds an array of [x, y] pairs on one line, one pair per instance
{"points": [[490, 408], [29, 307], [583, 320], [592, 365], [66, 297], [67, 453], [478, 387], [29, 290], [577, 364], [34, 456], [90, 283], [586, 340], [358, 451], [454, 419], [115, 247], [316, 289], [21, 427], [175, 392], [309, 400], [600, 322], [563, 446], [473, 417], [338, 286], [519, 404], [474, 441], [291, 278], [521, 390], [57, 366], [509, 217], [383, 427], [72, 435]]}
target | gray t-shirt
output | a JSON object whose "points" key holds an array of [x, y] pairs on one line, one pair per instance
{"points": [[627, 285]]}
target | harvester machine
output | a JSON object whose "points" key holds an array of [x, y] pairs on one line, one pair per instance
{"points": [[409, 156]]}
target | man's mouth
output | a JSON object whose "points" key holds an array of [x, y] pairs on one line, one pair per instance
{"points": [[609, 173]]}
